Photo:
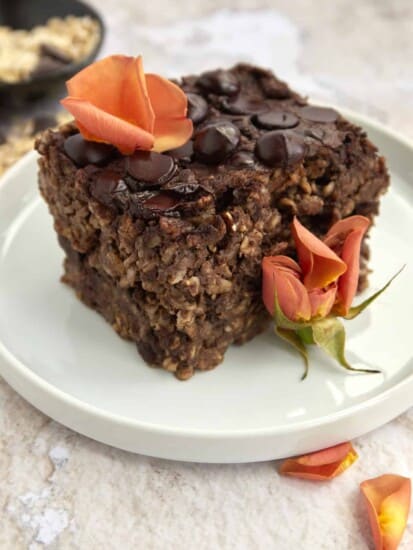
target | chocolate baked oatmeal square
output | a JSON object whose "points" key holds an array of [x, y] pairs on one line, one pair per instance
{"points": [[168, 247]]}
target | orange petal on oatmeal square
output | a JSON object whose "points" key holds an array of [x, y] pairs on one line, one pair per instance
{"points": [[167, 99], [97, 125], [171, 133], [387, 499], [321, 465], [117, 86], [169, 104]]}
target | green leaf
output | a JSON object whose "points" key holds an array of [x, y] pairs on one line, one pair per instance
{"points": [[293, 338], [330, 335], [356, 310]]}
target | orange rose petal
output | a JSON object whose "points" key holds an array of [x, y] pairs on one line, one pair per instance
{"points": [[150, 111], [116, 85], [136, 103], [171, 133], [347, 285], [101, 82], [321, 465], [320, 265], [284, 262], [172, 128], [97, 125], [167, 99], [282, 274], [343, 227], [387, 499], [322, 301], [348, 234], [329, 455]]}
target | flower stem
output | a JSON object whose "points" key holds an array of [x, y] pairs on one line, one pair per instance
{"points": [[306, 335]]}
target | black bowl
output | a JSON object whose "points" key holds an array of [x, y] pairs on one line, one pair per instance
{"points": [[26, 14]]}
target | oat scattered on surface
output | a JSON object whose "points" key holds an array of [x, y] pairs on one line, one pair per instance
{"points": [[20, 50]]}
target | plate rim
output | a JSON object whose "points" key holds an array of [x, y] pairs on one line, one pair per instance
{"points": [[85, 407], [69, 400]]}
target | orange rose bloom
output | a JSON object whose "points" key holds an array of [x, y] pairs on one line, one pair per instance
{"points": [[325, 277], [114, 101]]}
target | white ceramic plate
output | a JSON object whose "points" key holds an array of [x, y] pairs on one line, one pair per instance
{"points": [[65, 360]]}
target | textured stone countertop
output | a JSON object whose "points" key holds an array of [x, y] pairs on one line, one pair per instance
{"points": [[59, 490]]}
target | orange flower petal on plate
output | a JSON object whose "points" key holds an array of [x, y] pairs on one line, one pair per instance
{"points": [[117, 85], [282, 274], [345, 237], [97, 125], [320, 265], [387, 499], [321, 465]]}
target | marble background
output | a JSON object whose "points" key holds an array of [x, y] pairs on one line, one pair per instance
{"points": [[59, 490]]}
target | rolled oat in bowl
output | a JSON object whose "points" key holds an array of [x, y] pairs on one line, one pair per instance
{"points": [[42, 49]]}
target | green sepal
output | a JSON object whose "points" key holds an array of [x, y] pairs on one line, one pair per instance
{"points": [[284, 322], [330, 335], [356, 310], [327, 333], [294, 339], [306, 335]]}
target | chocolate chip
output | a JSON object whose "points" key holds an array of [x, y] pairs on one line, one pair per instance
{"points": [[214, 142], [279, 149], [150, 167], [272, 120], [318, 114], [184, 152], [149, 204], [243, 158], [219, 82], [296, 148], [197, 107], [109, 189], [315, 133], [243, 105], [47, 50], [161, 202], [327, 135], [271, 149], [84, 152]]}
